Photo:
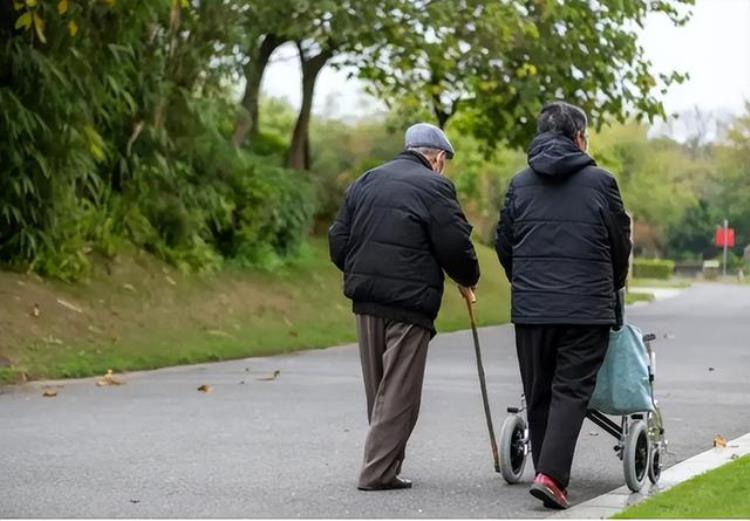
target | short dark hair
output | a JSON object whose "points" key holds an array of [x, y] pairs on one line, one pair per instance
{"points": [[562, 118]]}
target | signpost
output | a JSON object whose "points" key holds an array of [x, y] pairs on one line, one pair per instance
{"points": [[725, 238]]}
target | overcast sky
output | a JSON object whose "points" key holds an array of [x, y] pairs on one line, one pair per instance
{"points": [[714, 48]]}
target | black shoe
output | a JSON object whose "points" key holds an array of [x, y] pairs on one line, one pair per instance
{"points": [[396, 484]]}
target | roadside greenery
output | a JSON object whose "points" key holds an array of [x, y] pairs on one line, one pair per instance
{"points": [[653, 269], [124, 126], [723, 493], [136, 314]]}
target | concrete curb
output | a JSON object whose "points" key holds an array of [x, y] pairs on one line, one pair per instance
{"points": [[607, 505]]}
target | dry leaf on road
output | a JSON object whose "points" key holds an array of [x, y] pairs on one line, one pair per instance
{"points": [[270, 378], [720, 441], [49, 393], [205, 388], [35, 312], [109, 379]]}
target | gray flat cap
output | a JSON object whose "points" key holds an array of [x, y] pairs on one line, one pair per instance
{"points": [[429, 136]]}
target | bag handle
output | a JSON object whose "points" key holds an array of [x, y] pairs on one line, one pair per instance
{"points": [[619, 308]]}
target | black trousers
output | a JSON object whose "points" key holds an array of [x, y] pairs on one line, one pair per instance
{"points": [[558, 365]]}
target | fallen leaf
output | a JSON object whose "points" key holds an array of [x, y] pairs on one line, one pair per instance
{"points": [[205, 388], [69, 306], [720, 441], [35, 312], [272, 377], [94, 329], [734, 456], [710, 369], [592, 433], [109, 379], [49, 393], [134, 501], [170, 280], [129, 287]]}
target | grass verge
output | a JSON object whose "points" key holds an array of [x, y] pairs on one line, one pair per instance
{"points": [[721, 493], [675, 282], [632, 298], [139, 314]]}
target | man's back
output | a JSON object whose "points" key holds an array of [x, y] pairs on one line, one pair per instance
{"points": [[561, 237], [404, 227]]}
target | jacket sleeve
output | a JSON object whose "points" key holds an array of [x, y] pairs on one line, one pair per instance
{"points": [[338, 234], [504, 234], [450, 236], [618, 224]]}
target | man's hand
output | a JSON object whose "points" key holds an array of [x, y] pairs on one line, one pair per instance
{"points": [[468, 293]]}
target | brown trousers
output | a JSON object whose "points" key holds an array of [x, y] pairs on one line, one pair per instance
{"points": [[393, 356]]}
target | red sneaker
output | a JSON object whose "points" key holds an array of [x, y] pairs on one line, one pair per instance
{"points": [[547, 490]]}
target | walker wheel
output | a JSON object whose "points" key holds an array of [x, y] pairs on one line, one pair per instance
{"points": [[636, 451], [655, 462], [512, 448]]}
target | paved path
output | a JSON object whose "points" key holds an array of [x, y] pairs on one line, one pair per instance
{"points": [[291, 447]]}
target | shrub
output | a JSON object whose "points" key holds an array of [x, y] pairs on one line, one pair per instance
{"points": [[653, 268], [271, 213]]}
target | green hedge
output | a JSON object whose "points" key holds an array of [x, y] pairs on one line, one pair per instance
{"points": [[653, 268]]}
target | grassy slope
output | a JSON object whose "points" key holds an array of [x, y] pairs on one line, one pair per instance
{"points": [[722, 493], [138, 314]]}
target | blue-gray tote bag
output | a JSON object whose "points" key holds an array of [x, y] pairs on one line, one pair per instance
{"points": [[622, 384]]}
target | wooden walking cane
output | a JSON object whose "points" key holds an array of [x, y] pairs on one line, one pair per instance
{"points": [[470, 301]]}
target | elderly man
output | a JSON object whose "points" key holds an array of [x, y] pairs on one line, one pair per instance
{"points": [[564, 241], [399, 228]]}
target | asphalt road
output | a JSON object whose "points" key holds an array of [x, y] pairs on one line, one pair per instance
{"points": [[292, 446]]}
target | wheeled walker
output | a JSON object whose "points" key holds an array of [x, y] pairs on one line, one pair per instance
{"points": [[640, 437]]}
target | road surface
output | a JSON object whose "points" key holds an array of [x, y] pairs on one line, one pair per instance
{"points": [[291, 447]]}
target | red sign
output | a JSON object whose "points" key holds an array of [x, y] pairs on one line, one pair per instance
{"points": [[724, 237]]}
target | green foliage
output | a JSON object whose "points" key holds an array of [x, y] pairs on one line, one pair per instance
{"points": [[481, 179], [342, 152], [119, 120], [117, 133], [271, 214], [498, 62], [653, 268], [692, 237]]}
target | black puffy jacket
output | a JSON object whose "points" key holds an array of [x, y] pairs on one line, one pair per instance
{"points": [[400, 226], [563, 237]]}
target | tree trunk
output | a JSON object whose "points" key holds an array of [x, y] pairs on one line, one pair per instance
{"points": [[247, 125], [441, 115], [299, 149], [7, 20]]}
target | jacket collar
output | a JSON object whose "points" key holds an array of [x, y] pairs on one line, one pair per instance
{"points": [[411, 155]]}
